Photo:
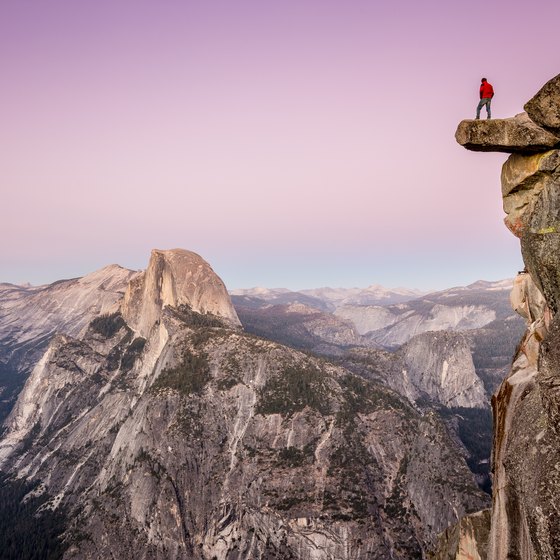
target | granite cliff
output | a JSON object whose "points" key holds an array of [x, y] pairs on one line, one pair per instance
{"points": [[525, 520], [447, 351], [162, 430], [175, 278], [30, 316]]}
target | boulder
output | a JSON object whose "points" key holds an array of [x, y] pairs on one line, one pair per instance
{"points": [[521, 171], [544, 107], [524, 177], [515, 134]]}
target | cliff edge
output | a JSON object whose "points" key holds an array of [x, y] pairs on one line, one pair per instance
{"points": [[525, 521]]}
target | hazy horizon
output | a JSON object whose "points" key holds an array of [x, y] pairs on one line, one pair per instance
{"points": [[279, 287]]}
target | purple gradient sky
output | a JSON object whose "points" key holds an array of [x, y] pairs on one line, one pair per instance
{"points": [[298, 143]]}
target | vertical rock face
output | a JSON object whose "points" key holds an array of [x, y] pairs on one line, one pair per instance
{"points": [[466, 540], [30, 316], [519, 419], [524, 178], [439, 365], [168, 433], [174, 278], [526, 449]]}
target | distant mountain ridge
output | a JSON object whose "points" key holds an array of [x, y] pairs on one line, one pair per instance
{"points": [[163, 430], [460, 309], [30, 316], [388, 317], [375, 294], [446, 351], [329, 298]]}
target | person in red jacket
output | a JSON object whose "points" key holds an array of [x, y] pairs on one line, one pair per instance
{"points": [[486, 94]]}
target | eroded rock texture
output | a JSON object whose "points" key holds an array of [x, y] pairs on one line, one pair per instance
{"points": [[544, 107], [165, 432], [439, 365], [173, 278], [526, 450], [30, 316], [516, 134], [466, 540], [524, 178]]}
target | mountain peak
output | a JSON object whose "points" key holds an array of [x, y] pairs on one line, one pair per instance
{"points": [[175, 277]]}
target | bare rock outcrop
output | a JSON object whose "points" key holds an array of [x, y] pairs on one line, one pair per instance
{"points": [[526, 448], [439, 365], [524, 177], [31, 313], [544, 107], [202, 442], [515, 134], [466, 540], [173, 278], [30, 316]]}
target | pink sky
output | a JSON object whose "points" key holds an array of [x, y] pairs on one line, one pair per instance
{"points": [[296, 143]]}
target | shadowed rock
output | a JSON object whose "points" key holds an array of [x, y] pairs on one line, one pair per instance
{"points": [[516, 134], [521, 171], [540, 245], [544, 107]]}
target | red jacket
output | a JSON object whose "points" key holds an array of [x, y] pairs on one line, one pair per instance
{"points": [[486, 90]]}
